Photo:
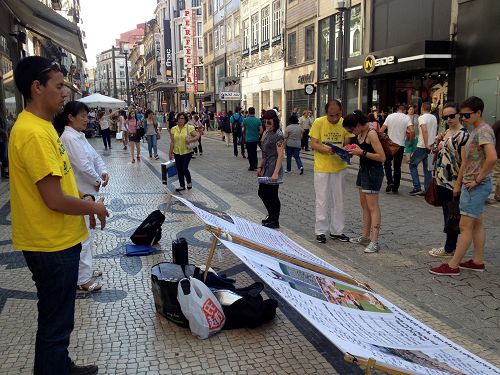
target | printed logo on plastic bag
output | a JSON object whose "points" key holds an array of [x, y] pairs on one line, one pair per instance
{"points": [[215, 317]]}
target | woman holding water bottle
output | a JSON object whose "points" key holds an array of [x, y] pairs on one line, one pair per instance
{"points": [[270, 167]]}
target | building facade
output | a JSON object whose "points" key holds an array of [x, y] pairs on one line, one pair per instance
{"points": [[110, 77], [300, 56], [263, 51]]}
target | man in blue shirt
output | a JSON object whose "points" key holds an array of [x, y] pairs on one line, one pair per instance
{"points": [[252, 128]]}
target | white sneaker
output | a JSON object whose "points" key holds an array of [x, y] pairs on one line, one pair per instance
{"points": [[440, 252], [373, 247], [360, 240]]}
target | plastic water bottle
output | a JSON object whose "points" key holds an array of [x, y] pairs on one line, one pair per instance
{"points": [[268, 181]]}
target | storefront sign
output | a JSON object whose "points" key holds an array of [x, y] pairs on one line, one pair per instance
{"points": [[306, 78], [167, 43], [187, 39], [371, 62], [194, 43], [229, 95]]}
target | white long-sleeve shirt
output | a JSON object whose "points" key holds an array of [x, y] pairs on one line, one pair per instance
{"points": [[87, 165]]}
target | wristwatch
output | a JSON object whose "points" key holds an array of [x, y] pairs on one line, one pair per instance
{"points": [[88, 195]]}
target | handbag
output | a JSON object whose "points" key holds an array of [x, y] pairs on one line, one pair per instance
{"points": [[452, 222], [119, 135], [158, 135], [431, 195], [390, 148]]}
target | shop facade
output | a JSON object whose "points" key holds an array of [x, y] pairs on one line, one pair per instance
{"points": [[409, 74], [298, 99]]}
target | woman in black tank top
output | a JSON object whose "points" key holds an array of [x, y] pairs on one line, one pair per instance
{"points": [[370, 176]]}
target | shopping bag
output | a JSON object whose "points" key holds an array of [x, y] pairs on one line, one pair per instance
{"points": [[119, 135], [138, 250], [200, 307]]}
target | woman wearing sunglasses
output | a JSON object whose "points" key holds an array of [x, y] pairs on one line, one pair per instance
{"points": [[449, 160], [474, 185], [180, 136], [273, 152]]}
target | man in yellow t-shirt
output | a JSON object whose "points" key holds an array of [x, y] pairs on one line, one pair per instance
{"points": [[329, 173], [47, 212]]}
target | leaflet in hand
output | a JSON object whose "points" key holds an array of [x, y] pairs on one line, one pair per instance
{"points": [[340, 152]]}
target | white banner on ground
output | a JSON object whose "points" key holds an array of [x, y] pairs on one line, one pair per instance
{"points": [[358, 322], [361, 323]]}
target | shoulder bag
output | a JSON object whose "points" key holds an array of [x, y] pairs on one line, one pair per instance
{"points": [[390, 148]]}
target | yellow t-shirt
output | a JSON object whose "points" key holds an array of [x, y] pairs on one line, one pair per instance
{"points": [[324, 131], [180, 139], [35, 151]]}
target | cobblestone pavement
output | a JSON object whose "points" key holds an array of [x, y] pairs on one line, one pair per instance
{"points": [[119, 329]]}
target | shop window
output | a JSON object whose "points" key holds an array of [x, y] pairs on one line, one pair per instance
{"points": [[292, 49], [245, 35], [276, 18], [265, 24], [324, 48], [355, 31], [255, 29], [309, 31]]}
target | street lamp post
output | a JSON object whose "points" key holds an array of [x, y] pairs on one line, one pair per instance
{"points": [[125, 52]]}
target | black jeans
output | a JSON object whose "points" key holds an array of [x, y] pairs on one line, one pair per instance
{"points": [[199, 148], [55, 275], [239, 138], [305, 140], [182, 165], [269, 196], [252, 154], [446, 195], [106, 137], [395, 179]]}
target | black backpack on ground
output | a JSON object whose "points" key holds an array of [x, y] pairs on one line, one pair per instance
{"points": [[149, 232]]}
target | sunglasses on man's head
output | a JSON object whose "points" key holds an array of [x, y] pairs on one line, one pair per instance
{"points": [[451, 117], [466, 115], [53, 66]]}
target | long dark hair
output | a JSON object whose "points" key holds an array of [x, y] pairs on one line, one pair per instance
{"points": [[71, 108]]}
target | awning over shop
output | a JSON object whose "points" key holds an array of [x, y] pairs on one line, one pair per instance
{"points": [[44, 21]]}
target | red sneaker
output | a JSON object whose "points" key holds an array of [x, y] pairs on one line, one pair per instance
{"points": [[471, 265], [445, 270]]}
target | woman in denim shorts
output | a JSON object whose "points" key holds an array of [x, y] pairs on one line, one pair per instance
{"points": [[474, 185], [371, 173]]}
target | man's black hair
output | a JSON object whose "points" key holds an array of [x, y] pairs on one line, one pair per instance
{"points": [[251, 111], [31, 69], [474, 103]]}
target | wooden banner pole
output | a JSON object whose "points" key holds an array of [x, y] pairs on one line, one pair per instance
{"points": [[168, 203], [371, 365], [210, 257], [321, 270]]}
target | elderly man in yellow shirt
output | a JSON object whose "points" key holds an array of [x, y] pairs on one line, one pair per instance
{"points": [[329, 173], [47, 212]]}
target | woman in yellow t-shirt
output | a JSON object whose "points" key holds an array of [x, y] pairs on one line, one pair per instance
{"points": [[183, 138]]}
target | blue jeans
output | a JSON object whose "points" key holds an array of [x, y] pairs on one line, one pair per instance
{"points": [[55, 275], [152, 144], [295, 152], [420, 156]]}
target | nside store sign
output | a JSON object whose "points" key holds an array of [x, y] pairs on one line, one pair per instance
{"points": [[371, 62], [187, 26]]}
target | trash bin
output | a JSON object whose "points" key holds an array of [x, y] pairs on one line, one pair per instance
{"points": [[165, 279]]}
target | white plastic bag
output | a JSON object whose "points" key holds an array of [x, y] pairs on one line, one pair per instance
{"points": [[119, 135], [200, 307]]}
